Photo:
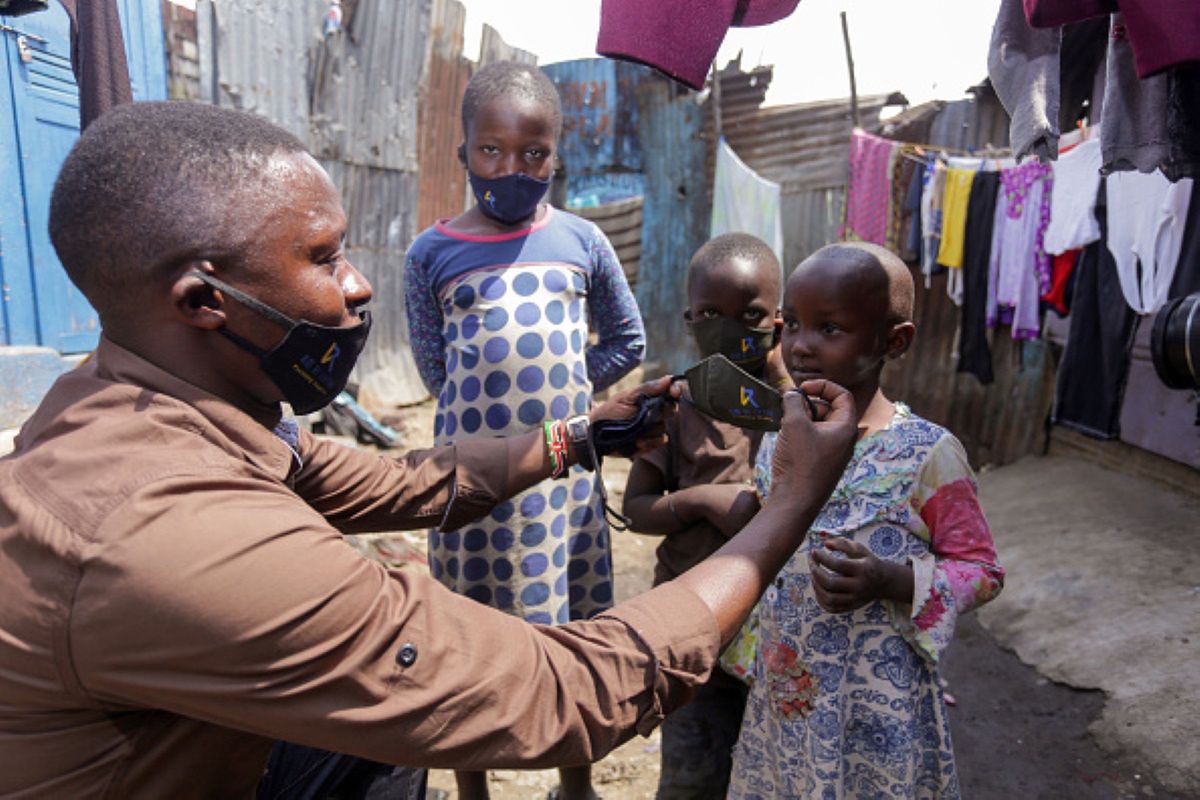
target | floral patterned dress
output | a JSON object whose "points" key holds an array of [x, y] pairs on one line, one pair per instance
{"points": [[849, 705]]}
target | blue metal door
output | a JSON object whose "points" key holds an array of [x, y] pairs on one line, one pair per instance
{"points": [[39, 122]]}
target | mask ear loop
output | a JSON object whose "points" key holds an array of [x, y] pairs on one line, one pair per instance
{"points": [[615, 519], [262, 308]]}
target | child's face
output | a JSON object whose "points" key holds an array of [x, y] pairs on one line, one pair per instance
{"points": [[835, 326], [738, 289], [511, 134]]}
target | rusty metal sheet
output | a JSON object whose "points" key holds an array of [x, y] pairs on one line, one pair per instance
{"points": [[439, 129], [599, 147]]}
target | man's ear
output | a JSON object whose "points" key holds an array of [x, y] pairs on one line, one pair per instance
{"points": [[196, 303], [900, 338]]}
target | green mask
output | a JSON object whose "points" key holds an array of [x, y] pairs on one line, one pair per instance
{"points": [[724, 392], [746, 347]]}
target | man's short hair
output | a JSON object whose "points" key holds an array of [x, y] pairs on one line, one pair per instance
{"points": [[148, 185], [510, 79]]}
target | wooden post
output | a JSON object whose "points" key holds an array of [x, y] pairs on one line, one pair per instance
{"points": [[716, 103], [850, 66]]}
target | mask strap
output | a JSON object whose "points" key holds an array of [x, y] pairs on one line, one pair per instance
{"points": [[237, 294]]}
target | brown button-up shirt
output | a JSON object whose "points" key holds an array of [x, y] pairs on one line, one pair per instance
{"points": [[176, 596]]}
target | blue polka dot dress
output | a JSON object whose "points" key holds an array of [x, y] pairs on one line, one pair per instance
{"points": [[512, 314]]}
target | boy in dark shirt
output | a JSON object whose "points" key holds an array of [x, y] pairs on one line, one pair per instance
{"points": [[696, 487]]}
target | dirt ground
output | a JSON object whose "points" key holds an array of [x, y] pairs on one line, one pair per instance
{"points": [[1016, 734]]}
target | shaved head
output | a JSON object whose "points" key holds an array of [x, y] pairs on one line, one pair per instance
{"points": [[873, 269]]}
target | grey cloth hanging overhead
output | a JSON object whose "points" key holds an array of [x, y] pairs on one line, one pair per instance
{"points": [[1023, 64]]}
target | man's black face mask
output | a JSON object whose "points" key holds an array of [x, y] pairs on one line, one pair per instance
{"points": [[312, 364]]}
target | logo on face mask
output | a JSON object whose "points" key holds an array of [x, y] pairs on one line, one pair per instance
{"points": [[748, 346], [307, 364], [723, 391], [508, 199]]}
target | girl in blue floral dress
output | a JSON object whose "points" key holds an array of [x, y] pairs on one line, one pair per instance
{"points": [[501, 301], [845, 700]]}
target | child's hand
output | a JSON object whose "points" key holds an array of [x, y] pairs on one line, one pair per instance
{"points": [[846, 575]]}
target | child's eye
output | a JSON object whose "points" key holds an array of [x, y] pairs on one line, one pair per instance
{"points": [[789, 324], [490, 149], [536, 155], [829, 327], [753, 316]]}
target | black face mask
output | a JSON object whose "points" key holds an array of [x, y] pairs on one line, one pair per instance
{"points": [[508, 199], [722, 391], [312, 364], [746, 347]]}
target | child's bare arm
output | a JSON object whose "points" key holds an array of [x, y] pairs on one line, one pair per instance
{"points": [[648, 509], [651, 509]]}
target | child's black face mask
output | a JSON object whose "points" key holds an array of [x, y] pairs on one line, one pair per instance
{"points": [[745, 346]]}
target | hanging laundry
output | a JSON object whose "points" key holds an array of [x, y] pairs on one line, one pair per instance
{"points": [[1053, 13], [974, 352], [1095, 364], [98, 57], [1062, 269], [1019, 271], [931, 216], [1164, 33], [900, 169], [959, 175], [1137, 135], [1023, 64], [912, 207], [744, 201], [866, 217], [679, 37], [954, 214], [1073, 199], [1146, 214]]}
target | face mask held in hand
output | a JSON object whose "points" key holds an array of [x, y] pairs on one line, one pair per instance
{"points": [[312, 364], [723, 391]]}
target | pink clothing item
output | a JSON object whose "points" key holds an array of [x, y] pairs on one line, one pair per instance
{"points": [[1053, 13], [867, 193], [1164, 33], [679, 37], [1019, 272]]}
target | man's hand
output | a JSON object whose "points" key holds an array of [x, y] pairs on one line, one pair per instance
{"points": [[810, 455], [625, 405]]}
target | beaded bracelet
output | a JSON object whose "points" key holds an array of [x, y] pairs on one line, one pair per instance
{"points": [[556, 447]]}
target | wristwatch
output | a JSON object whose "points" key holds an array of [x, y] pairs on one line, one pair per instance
{"points": [[579, 433]]}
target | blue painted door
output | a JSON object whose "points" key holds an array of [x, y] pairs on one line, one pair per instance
{"points": [[39, 121]]}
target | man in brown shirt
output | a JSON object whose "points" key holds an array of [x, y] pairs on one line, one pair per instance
{"points": [[177, 595]]}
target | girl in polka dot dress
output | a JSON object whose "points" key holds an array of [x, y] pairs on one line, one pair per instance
{"points": [[500, 301]]}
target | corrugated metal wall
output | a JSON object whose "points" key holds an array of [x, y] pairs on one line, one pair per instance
{"points": [[352, 98], [676, 216], [622, 224], [599, 145], [443, 179]]}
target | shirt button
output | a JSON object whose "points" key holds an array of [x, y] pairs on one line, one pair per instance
{"points": [[407, 655]]}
